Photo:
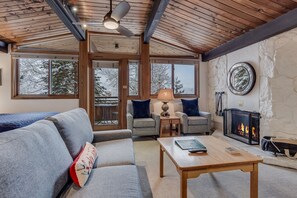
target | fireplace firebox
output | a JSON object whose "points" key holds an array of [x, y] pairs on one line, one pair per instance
{"points": [[242, 125]]}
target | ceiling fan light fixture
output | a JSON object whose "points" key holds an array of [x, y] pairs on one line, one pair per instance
{"points": [[111, 24]]}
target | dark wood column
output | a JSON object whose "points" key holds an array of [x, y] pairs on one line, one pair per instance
{"points": [[145, 74], [83, 74]]}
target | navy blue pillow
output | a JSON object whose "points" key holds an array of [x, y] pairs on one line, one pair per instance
{"points": [[190, 107], [141, 108]]}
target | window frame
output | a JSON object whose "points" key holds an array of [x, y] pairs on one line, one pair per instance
{"points": [[196, 79], [15, 82]]}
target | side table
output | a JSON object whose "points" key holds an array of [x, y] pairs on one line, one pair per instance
{"points": [[164, 121]]}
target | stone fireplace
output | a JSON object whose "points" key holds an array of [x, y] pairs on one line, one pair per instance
{"points": [[243, 126]]}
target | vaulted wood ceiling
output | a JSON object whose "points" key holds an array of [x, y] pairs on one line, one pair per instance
{"points": [[197, 25], [28, 19]]}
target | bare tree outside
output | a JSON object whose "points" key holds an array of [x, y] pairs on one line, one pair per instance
{"points": [[133, 78], [161, 77]]}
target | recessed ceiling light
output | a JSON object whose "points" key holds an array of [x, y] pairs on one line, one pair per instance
{"points": [[74, 9], [84, 25]]}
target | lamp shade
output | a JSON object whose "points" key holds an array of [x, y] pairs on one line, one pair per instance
{"points": [[165, 95]]}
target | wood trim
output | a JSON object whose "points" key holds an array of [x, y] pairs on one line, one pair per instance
{"points": [[45, 52], [45, 97], [44, 40], [123, 91], [14, 77], [154, 18], [176, 46], [109, 33], [197, 78], [145, 69], [280, 24], [91, 94], [83, 74], [64, 13], [110, 56]]}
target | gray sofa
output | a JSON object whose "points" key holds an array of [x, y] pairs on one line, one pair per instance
{"points": [[193, 124], [35, 160], [143, 126]]}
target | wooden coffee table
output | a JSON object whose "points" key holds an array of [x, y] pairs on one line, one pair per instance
{"points": [[191, 165]]}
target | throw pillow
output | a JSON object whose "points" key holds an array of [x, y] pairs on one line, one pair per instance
{"points": [[81, 167], [141, 108], [190, 107]]}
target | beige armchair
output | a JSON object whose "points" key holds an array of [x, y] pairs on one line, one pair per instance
{"points": [[143, 126], [193, 124]]}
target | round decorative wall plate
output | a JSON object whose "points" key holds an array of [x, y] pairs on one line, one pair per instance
{"points": [[241, 78]]}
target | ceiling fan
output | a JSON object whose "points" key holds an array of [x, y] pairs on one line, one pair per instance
{"points": [[112, 19]]}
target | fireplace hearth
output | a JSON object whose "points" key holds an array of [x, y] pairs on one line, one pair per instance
{"points": [[242, 125]]}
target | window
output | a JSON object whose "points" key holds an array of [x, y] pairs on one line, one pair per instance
{"points": [[160, 77], [179, 77], [184, 79], [45, 77], [133, 78]]}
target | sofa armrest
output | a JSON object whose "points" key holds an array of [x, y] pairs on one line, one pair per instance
{"points": [[184, 120], [129, 121], [208, 116], [101, 136], [156, 117]]}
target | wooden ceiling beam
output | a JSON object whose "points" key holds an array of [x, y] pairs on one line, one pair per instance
{"points": [[154, 18], [3, 47], [67, 17], [281, 24]]}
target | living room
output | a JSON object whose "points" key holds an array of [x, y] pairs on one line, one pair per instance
{"points": [[188, 49]]}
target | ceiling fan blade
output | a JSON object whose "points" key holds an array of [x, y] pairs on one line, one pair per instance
{"points": [[120, 10], [124, 31]]}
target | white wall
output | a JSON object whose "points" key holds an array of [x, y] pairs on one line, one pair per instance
{"points": [[203, 86], [249, 102], [8, 105]]}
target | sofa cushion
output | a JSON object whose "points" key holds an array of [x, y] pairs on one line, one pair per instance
{"points": [[115, 152], [141, 108], [34, 161], [144, 122], [82, 166], [197, 120], [190, 107], [75, 128], [111, 182]]}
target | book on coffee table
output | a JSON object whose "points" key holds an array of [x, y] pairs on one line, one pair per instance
{"points": [[189, 144]]}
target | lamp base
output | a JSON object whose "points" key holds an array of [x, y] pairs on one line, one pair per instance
{"points": [[165, 107]]}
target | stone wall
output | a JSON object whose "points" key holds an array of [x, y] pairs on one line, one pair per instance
{"points": [[278, 93], [275, 94], [217, 74]]}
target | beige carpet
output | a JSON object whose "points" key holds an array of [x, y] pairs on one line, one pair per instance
{"points": [[274, 182]]}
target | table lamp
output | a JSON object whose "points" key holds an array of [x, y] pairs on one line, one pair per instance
{"points": [[165, 95]]}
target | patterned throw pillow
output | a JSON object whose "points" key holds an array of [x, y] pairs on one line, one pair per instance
{"points": [[81, 167]]}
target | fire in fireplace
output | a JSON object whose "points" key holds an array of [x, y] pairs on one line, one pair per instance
{"points": [[242, 125]]}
